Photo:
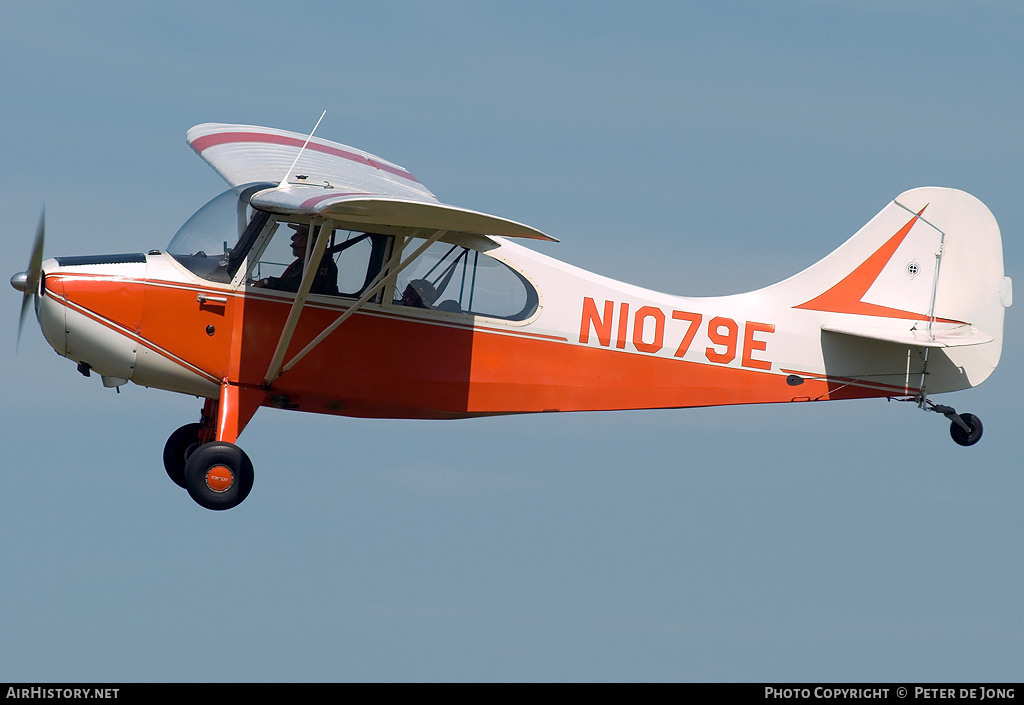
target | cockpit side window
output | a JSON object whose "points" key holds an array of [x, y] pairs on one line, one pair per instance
{"points": [[252, 231], [359, 257], [350, 263], [461, 280]]}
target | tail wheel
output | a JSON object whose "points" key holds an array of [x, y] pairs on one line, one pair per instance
{"points": [[218, 475], [966, 438], [177, 449]]}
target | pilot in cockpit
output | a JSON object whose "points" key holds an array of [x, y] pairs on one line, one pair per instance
{"points": [[419, 293], [324, 282]]}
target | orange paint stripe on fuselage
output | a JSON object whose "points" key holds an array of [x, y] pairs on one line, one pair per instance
{"points": [[395, 365]]}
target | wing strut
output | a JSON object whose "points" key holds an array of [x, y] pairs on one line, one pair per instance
{"points": [[388, 274], [308, 274]]}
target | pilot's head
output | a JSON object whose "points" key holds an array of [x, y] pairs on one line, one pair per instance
{"points": [[419, 293], [300, 238]]}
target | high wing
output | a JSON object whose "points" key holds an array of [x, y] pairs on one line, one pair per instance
{"points": [[362, 211], [246, 154], [353, 188]]}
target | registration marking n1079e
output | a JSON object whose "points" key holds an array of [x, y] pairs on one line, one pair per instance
{"points": [[651, 321]]}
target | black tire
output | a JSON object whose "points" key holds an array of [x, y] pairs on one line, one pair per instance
{"points": [[961, 436], [177, 449], [218, 475]]}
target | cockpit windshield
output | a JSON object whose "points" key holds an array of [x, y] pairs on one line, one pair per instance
{"points": [[213, 242]]}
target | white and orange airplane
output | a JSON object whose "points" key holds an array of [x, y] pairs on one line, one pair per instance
{"points": [[416, 309]]}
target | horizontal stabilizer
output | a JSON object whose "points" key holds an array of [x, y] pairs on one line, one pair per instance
{"points": [[942, 336]]}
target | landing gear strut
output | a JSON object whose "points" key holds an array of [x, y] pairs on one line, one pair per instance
{"points": [[217, 474]]}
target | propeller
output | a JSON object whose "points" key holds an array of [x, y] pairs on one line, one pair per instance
{"points": [[27, 282]]}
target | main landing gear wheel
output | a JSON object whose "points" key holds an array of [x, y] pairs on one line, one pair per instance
{"points": [[966, 437], [177, 449], [218, 475]]}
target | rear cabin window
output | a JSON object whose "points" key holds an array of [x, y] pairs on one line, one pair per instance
{"points": [[459, 280]]}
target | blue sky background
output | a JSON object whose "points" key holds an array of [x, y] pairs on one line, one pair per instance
{"points": [[695, 148]]}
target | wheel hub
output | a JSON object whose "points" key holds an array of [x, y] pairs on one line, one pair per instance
{"points": [[219, 478]]}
